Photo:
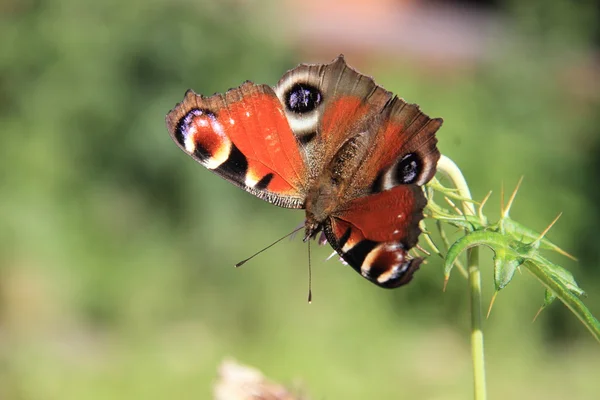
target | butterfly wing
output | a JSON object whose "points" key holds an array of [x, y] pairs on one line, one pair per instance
{"points": [[378, 220], [374, 233], [243, 136], [403, 150], [326, 105]]}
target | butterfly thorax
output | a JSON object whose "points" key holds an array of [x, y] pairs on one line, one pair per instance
{"points": [[320, 204], [328, 191]]}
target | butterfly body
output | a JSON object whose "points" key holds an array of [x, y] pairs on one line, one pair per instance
{"points": [[327, 139]]}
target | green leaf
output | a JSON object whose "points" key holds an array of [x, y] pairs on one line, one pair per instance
{"points": [[561, 274], [564, 294], [549, 298], [521, 233], [467, 222], [505, 266], [493, 240]]}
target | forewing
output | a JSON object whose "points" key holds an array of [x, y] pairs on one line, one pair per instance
{"points": [[243, 136], [327, 104]]}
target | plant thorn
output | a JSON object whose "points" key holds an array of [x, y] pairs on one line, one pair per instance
{"points": [[545, 231], [512, 198], [423, 250], [480, 210], [537, 314], [491, 304], [502, 198], [456, 209]]}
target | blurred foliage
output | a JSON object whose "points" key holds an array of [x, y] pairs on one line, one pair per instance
{"points": [[116, 249]]}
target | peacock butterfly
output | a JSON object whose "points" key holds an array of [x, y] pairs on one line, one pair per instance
{"points": [[326, 139]]}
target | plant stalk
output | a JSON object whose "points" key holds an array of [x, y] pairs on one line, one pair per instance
{"points": [[452, 172]]}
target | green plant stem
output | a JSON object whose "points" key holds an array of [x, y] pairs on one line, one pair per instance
{"points": [[477, 349], [451, 170]]}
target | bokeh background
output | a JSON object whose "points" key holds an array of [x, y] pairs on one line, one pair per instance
{"points": [[116, 249]]}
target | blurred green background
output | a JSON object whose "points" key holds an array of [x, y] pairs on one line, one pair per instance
{"points": [[116, 249]]}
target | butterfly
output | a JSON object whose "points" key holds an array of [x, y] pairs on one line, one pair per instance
{"points": [[328, 140]]}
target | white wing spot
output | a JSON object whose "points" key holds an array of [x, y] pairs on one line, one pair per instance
{"points": [[231, 121], [190, 146], [247, 113], [217, 127], [250, 181]]}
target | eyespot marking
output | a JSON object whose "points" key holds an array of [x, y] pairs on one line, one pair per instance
{"points": [[201, 134], [186, 127], [302, 98], [387, 265], [408, 169]]}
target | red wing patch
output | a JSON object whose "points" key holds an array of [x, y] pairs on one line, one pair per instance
{"points": [[392, 215], [373, 234], [243, 136]]}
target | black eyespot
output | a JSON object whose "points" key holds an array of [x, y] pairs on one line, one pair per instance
{"points": [[408, 169], [303, 98], [184, 123]]}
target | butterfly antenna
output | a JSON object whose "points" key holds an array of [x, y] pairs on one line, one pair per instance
{"points": [[268, 247], [309, 276]]}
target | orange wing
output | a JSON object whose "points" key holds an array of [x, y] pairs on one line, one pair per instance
{"points": [[243, 136], [373, 234]]}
